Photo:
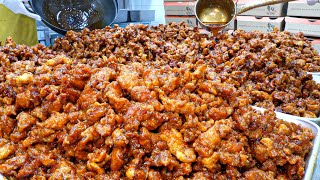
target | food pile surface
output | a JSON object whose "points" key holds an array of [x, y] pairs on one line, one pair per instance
{"points": [[160, 103]]}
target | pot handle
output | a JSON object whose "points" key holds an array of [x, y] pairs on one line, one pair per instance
{"points": [[258, 3], [27, 3]]}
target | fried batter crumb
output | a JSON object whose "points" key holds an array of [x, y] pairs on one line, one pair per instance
{"points": [[165, 102]]}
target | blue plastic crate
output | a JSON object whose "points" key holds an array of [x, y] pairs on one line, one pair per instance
{"points": [[123, 25]]}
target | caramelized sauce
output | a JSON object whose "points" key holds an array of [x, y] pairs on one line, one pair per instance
{"points": [[214, 16], [75, 15]]}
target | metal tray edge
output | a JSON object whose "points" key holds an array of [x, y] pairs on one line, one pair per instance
{"points": [[312, 157], [316, 78]]}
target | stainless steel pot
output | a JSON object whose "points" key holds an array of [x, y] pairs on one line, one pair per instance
{"points": [[64, 15]]}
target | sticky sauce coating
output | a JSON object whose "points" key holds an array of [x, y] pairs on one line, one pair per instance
{"points": [[160, 103]]}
